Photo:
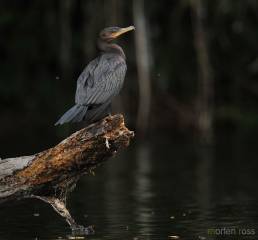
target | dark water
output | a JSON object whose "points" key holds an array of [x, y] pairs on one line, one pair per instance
{"points": [[160, 189]]}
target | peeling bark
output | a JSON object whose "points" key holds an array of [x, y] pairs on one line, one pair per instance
{"points": [[50, 175]]}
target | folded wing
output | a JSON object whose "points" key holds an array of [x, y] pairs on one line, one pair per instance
{"points": [[101, 80]]}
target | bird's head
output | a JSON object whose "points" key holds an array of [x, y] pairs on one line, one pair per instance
{"points": [[110, 33]]}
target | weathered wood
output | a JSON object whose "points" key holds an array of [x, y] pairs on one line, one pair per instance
{"points": [[50, 175]]}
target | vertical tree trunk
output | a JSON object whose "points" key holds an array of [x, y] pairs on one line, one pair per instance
{"points": [[65, 37], [113, 11], [114, 17], [91, 25], [143, 65], [205, 84]]}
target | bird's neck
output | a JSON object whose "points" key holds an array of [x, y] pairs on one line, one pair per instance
{"points": [[108, 47]]}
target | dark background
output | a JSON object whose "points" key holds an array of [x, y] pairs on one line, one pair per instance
{"points": [[44, 46], [190, 94]]}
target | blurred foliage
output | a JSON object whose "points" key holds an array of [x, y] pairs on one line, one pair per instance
{"points": [[34, 85]]}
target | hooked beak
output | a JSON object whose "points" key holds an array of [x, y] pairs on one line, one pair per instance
{"points": [[122, 31]]}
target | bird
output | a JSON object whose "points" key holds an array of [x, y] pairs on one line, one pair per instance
{"points": [[100, 81]]}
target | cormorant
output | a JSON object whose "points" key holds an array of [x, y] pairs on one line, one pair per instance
{"points": [[100, 81]]}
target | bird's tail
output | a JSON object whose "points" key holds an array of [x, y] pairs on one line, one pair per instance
{"points": [[74, 114], [98, 112]]}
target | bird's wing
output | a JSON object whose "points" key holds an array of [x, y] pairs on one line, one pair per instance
{"points": [[101, 80], [86, 76]]}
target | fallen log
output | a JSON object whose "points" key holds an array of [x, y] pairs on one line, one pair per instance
{"points": [[52, 174]]}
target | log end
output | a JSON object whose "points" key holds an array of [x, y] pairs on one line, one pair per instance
{"points": [[77, 154]]}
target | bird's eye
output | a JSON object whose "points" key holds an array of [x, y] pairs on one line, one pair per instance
{"points": [[104, 35]]}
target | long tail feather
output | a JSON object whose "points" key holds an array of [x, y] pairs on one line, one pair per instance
{"points": [[98, 112], [74, 114]]}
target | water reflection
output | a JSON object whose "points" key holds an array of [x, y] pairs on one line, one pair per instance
{"points": [[153, 190], [143, 192]]}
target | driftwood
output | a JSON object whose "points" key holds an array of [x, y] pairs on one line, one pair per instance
{"points": [[50, 175]]}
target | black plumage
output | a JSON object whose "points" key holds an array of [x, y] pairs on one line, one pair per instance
{"points": [[100, 81]]}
